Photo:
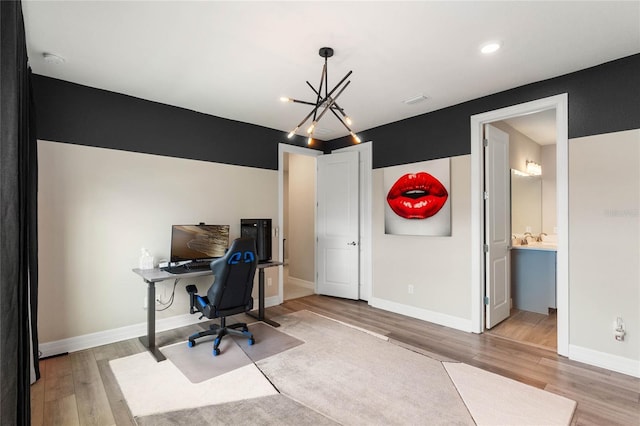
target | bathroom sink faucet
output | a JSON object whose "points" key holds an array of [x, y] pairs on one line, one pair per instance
{"points": [[539, 239]]}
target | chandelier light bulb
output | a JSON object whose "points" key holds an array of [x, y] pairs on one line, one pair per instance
{"points": [[310, 129], [310, 140], [285, 99], [293, 132], [348, 120], [357, 139]]}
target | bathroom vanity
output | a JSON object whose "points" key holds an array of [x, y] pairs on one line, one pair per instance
{"points": [[533, 277]]}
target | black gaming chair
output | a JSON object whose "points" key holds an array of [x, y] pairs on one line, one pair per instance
{"points": [[229, 294]]}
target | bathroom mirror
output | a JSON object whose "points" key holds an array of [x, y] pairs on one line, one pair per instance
{"points": [[526, 204]]}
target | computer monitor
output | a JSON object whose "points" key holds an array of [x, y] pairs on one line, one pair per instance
{"points": [[198, 242]]}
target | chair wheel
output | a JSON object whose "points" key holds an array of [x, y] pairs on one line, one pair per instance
{"points": [[216, 352], [191, 343], [252, 341]]}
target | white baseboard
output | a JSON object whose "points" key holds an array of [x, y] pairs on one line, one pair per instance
{"points": [[423, 314], [605, 360], [270, 301], [302, 283], [86, 341]]}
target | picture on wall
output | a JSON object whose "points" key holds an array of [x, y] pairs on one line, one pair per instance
{"points": [[418, 198]]}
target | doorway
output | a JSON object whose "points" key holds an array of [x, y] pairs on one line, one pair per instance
{"points": [[364, 247], [297, 183], [298, 230], [532, 316], [560, 104]]}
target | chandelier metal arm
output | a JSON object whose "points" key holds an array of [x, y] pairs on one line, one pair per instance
{"points": [[342, 121], [333, 100], [302, 102], [323, 76], [323, 100], [335, 104], [307, 117]]}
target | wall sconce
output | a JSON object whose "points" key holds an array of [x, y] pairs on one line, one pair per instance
{"points": [[533, 168]]}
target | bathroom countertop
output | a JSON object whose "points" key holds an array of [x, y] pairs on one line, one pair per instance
{"points": [[537, 246]]}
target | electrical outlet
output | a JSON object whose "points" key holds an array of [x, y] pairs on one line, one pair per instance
{"points": [[410, 289], [618, 329], [527, 229], [269, 282]]}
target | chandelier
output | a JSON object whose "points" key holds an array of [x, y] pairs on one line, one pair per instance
{"points": [[324, 102]]}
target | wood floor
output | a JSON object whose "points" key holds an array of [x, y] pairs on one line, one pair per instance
{"points": [[79, 389], [531, 328]]}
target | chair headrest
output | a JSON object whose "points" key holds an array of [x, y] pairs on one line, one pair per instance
{"points": [[242, 250], [236, 257]]}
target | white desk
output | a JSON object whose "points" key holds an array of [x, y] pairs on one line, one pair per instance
{"points": [[152, 276]]}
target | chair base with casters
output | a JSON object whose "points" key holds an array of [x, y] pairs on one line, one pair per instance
{"points": [[201, 304]]}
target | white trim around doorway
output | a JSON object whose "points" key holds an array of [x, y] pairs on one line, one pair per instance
{"points": [[560, 103], [282, 149]]}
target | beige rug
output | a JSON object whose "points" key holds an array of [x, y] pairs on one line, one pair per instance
{"points": [[490, 397], [341, 374], [156, 387]]}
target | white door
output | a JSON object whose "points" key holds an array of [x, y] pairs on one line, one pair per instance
{"points": [[364, 152], [497, 226], [337, 225]]}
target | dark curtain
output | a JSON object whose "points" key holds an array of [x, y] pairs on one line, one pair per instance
{"points": [[18, 223]]}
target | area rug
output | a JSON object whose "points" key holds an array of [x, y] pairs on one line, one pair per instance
{"points": [[273, 410], [490, 397], [340, 374], [358, 379], [155, 387], [195, 377]]}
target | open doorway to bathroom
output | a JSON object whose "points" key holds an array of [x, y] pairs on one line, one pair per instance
{"points": [[532, 160]]}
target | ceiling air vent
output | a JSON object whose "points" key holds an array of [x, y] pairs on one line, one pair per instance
{"points": [[415, 100]]}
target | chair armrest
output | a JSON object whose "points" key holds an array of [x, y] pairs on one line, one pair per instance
{"points": [[192, 290]]}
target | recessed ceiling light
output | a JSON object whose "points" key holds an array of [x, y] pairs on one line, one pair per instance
{"points": [[490, 47], [52, 59]]}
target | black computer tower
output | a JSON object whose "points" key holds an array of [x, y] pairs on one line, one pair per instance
{"points": [[260, 230]]}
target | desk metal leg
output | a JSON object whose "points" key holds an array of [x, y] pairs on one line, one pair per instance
{"points": [[260, 315], [149, 341]]}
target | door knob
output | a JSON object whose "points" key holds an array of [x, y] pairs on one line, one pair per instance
{"points": [[352, 243]]}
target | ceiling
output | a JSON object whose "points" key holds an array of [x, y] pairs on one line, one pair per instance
{"points": [[236, 59], [539, 127]]}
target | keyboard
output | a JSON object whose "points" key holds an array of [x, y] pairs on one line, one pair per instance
{"points": [[190, 267]]}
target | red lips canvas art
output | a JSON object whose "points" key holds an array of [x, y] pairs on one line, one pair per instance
{"points": [[418, 198]]}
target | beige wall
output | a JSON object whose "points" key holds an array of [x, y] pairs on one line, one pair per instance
{"points": [[521, 147], [438, 267], [301, 217], [98, 207], [604, 242]]}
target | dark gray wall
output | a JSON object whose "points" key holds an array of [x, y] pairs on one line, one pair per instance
{"points": [[72, 113], [602, 99]]}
